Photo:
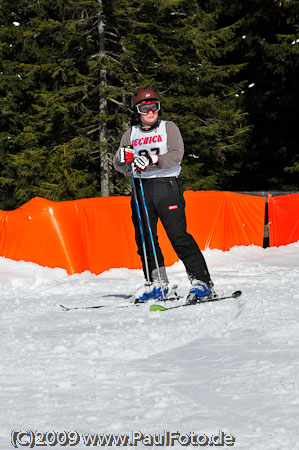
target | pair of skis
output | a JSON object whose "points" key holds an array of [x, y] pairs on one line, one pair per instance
{"points": [[156, 307]]}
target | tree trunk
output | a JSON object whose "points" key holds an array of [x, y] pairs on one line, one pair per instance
{"points": [[104, 156]]}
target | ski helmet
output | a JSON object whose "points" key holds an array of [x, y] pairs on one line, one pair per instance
{"points": [[144, 94]]}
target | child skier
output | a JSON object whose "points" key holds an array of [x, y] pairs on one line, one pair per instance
{"points": [[156, 148]]}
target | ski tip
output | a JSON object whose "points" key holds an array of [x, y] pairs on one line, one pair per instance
{"points": [[157, 308], [237, 294], [64, 307]]}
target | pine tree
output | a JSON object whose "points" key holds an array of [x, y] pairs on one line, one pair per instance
{"points": [[176, 47], [49, 151], [68, 71], [269, 46]]}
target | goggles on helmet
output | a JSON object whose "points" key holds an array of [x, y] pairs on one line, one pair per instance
{"points": [[145, 107]]}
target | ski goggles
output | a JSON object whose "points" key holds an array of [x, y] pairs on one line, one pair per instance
{"points": [[145, 107]]}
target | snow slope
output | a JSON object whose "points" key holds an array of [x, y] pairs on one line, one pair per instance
{"points": [[230, 366]]}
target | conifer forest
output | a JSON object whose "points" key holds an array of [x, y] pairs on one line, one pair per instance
{"points": [[227, 73]]}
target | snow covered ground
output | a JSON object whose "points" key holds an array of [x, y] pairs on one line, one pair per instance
{"points": [[229, 368]]}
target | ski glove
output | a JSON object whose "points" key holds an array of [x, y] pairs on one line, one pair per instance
{"points": [[125, 155], [141, 163]]}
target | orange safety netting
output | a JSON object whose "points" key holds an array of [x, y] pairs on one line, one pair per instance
{"points": [[283, 219], [96, 234]]}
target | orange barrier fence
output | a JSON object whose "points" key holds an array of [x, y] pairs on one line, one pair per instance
{"points": [[283, 219], [96, 234]]}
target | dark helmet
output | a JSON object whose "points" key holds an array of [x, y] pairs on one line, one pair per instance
{"points": [[144, 94]]}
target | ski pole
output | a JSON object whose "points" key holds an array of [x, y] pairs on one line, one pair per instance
{"points": [[140, 226], [151, 236]]}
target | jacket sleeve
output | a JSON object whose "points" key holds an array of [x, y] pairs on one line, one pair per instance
{"points": [[125, 140], [175, 147]]}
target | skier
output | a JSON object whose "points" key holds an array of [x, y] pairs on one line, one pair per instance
{"points": [[156, 148]]}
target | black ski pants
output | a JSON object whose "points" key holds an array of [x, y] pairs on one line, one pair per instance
{"points": [[164, 200]]}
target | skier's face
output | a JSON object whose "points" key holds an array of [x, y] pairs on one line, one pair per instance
{"points": [[150, 118]]}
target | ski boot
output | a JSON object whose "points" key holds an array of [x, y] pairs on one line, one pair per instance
{"points": [[199, 292], [153, 291]]}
